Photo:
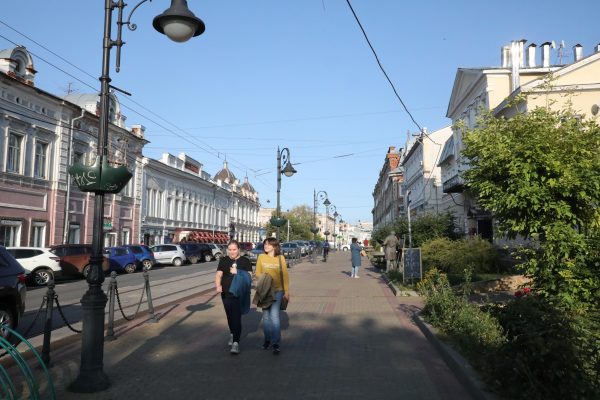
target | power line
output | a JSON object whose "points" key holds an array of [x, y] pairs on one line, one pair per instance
{"points": [[381, 67]]}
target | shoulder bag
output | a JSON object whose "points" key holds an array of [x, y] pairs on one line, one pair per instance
{"points": [[284, 301]]}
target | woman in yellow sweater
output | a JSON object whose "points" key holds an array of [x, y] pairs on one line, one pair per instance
{"points": [[273, 264]]}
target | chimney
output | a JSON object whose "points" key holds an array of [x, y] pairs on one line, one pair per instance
{"points": [[505, 56], [577, 52], [546, 54], [515, 48], [597, 48], [531, 55], [391, 149], [522, 52]]}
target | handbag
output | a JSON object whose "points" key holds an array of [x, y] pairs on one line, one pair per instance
{"points": [[284, 301]]}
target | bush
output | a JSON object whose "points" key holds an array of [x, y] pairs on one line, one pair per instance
{"points": [[551, 352], [454, 256], [475, 332]]}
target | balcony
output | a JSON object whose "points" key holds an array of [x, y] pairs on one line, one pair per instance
{"points": [[453, 185]]}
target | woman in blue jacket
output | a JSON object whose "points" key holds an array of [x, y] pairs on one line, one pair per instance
{"points": [[355, 252]]}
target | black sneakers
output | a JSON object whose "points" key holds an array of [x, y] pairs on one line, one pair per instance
{"points": [[276, 349], [266, 345]]}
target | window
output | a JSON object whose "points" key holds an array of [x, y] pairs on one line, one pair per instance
{"points": [[78, 157], [125, 234], [39, 167], [13, 162], [10, 233], [74, 234], [38, 234]]}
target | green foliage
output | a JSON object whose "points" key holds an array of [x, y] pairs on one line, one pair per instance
{"points": [[551, 352], [453, 256], [395, 276], [423, 228], [475, 332], [301, 219], [539, 174]]}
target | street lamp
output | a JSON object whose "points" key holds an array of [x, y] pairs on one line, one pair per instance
{"points": [[335, 215], [327, 203], [283, 156], [179, 24]]}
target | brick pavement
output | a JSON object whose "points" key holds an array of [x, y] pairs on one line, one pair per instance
{"points": [[343, 338]]}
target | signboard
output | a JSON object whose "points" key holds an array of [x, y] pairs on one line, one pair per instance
{"points": [[107, 225], [411, 264]]}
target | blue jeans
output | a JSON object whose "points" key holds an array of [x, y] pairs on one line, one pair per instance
{"points": [[271, 324], [355, 270]]}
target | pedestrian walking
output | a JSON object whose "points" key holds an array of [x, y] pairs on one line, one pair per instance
{"points": [[273, 264], [325, 250], [355, 253], [237, 302]]}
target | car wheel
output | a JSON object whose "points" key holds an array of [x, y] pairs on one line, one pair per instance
{"points": [[147, 264], [129, 268], [193, 260], [177, 262], [86, 270], [218, 256], [6, 318], [42, 276], [207, 257]]}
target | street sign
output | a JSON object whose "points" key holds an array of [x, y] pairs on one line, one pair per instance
{"points": [[411, 264]]}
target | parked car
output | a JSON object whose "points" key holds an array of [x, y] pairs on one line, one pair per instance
{"points": [[169, 254], [195, 252], [290, 250], [121, 259], [75, 259], [13, 291], [246, 247], [143, 255], [40, 264], [345, 247], [304, 247], [256, 251], [217, 251]]}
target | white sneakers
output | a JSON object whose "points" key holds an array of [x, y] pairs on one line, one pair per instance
{"points": [[230, 340], [354, 276], [235, 348]]}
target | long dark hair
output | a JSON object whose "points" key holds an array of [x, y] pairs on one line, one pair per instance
{"points": [[275, 243]]}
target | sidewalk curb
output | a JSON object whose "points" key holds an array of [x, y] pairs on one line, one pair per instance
{"points": [[396, 290], [459, 366]]}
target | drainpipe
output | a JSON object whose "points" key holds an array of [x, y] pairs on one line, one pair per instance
{"points": [[68, 195]]}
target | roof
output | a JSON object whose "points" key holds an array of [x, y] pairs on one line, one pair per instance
{"points": [[247, 186], [225, 175]]}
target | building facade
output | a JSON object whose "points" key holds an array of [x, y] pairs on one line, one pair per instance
{"points": [[541, 84], [422, 184], [41, 135], [183, 202], [388, 197]]}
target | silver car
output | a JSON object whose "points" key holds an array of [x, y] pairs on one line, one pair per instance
{"points": [[169, 254], [217, 251]]}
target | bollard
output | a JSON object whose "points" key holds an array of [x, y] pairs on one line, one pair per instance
{"points": [[149, 295], [110, 331], [50, 296]]}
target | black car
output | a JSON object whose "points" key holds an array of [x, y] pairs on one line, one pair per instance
{"points": [[13, 291], [197, 252]]}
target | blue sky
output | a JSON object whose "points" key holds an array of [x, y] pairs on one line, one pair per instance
{"points": [[294, 74]]}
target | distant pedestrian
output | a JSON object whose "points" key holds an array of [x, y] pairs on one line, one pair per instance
{"points": [[230, 266], [325, 250], [356, 252], [390, 243], [273, 264]]}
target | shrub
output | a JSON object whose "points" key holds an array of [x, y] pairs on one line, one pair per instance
{"points": [[454, 256], [551, 352]]}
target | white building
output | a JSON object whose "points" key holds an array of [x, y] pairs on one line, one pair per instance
{"points": [[422, 177], [181, 201]]}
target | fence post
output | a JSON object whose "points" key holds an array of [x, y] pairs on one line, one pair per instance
{"points": [[50, 295], [149, 295], [110, 331]]}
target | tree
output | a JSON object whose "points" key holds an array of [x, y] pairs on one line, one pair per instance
{"points": [[300, 219], [539, 174], [423, 228]]}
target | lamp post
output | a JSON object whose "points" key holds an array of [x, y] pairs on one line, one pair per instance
{"points": [[327, 203], [179, 24], [321, 195], [283, 156], [335, 215]]}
